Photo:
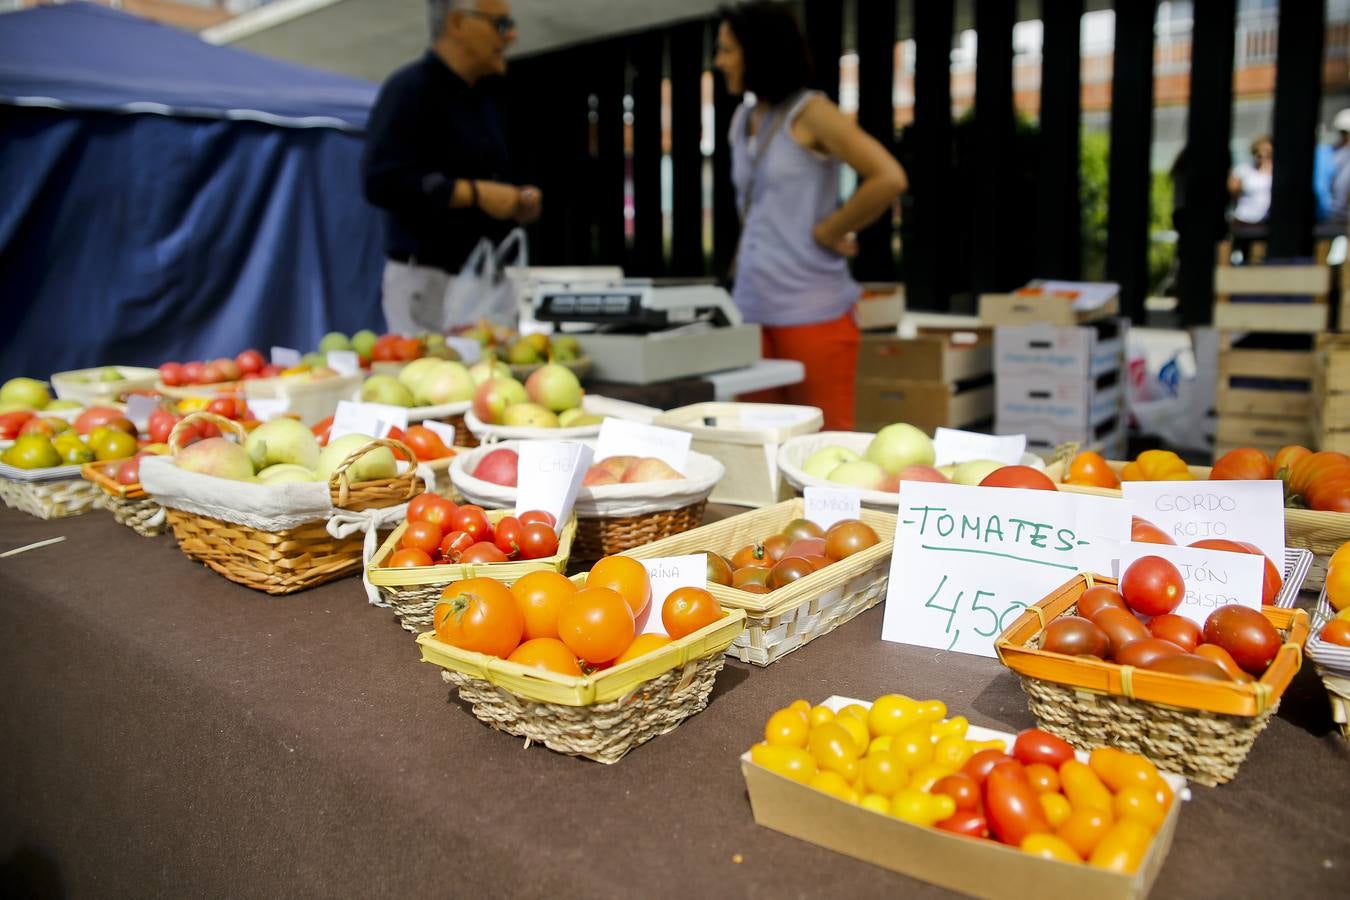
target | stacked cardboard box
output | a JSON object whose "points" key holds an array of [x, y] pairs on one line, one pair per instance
{"points": [[941, 376]]}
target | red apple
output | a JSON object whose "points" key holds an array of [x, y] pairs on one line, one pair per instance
{"points": [[597, 475], [498, 467], [649, 468]]}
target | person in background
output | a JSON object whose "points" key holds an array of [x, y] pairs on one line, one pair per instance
{"points": [[1333, 187], [436, 160], [791, 269], [1249, 185]]}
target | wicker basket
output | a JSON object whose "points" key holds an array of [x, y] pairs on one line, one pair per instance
{"points": [[783, 620], [1196, 728], [600, 716], [1333, 664], [54, 499], [1321, 533], [128, 503], [76, 385], [414, 592], [293, 559]]}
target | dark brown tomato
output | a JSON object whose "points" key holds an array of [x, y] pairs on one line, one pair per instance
{"points": [[1075, 636]]}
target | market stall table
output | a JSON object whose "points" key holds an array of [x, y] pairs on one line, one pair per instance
{"points": [[167, 732]]}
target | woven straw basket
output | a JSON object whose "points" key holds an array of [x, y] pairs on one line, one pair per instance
{"points": [[1193, 727], [293, 559], [600, 716], [1321, 533], [414, 592], [1333, 664], [783, 620], [128, 503], [50, 499]]}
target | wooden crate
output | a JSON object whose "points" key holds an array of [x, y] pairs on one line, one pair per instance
{"points": [[1247, 297], [1269, 382], [1263, 433], [926, 405], [1331, 393], [934, 354]]}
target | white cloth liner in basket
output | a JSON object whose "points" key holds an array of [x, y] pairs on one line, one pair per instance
{"points": [[701, 472], [795, 451]]}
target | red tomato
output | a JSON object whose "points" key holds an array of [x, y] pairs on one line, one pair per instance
{"points": [[1019, 477], [421, 536], [1247, 635], [967, 822], [482, 552], [806, 547], [1284, 461], [801, 529], [408, 557], [1075, 636], [229, 407], [425, 443], [192, 372], [845, 538], [1271, 581], [250, 361], [481, 615], [129, 471], [596, 624], [625, 576], [1143, 652], [1190, 665], [537, 541], [1011, 805], [979, 765], [171, 373], [1142, 531], [12, 422], [961, 788], [473, 521], [688, 609], [1091, 470], [420, 508], [1120, 626], [160, 425], [788, 570], [1036, 746], [1152, 586], [1242, 464], [454, 544], [1097, 598], [538, 515], [1337, 631], [506, 535], [1316, 467], [775, 546], [1177, 629], [321, 429], [719, 569], [547, 653], [1331, 494]]}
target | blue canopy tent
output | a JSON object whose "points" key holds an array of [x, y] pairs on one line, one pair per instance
{"points": [[164, 198]]}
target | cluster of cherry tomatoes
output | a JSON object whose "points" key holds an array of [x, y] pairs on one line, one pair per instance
{"points": [[901, 757], [1237, 643], [802, 547], [544, 620], [439, 531], [247, 365], [425, 444]]}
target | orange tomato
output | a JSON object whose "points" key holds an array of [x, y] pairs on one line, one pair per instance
{"points": [[1119, 770], [1043, 778], [540, 595], [426, 444], [644, 644], [1141, 804], [1142, 531], [481, 615], [1091, 470], [1217, 654], [1338, 584], [688, 609], [752, 555], [1342, 552], [1285, 459], [1123, 848], [1083, 787], [596, 624], [1084, 829], [626, 576], [407, 558], [1056, 808], [1047, 846], [549, 654], [1242, 464], [1337, 631]]}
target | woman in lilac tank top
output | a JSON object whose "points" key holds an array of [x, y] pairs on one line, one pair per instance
{"points": [[792, 275]]}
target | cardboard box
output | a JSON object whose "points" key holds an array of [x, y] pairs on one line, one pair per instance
{"points": [[924, 404], [975, 867], [1043, 438], [1059, 404], [932, 355], [1055, 303], [882, 306], [1050, 351], [662, 356]]}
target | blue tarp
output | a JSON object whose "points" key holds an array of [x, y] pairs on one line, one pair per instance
{"points": [[229, 217]]}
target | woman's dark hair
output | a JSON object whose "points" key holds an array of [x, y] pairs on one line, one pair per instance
{"points": [[777, 63]]}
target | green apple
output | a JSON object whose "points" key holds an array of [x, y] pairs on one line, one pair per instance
{"points": [[823, 461], [385, 389], [899, 445], [26, 392], [334, 340], [364, 341]]}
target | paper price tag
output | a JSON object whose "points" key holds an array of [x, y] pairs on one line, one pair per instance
{"points": [[1213, 578], [374, 419], [968, 559], [443, 430], [285, 357], [344, 362], [1191, 511], [668, 573], [265, 409], [548, 476], [825, 506], [469, 350], [770, 416], [139, 408], [622, 438], [953, 446]]}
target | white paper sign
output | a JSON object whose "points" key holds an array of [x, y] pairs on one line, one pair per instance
{"points": [[622, 438], [139, 408], [469, 350], [265, 409], [825, 506], [668, 573], [1190, 511], [1213, 578], [344, 362], [771, 416], [548, 476], [285, 357], [374, 419], [953, 446], [443, 430], [968, 559]]}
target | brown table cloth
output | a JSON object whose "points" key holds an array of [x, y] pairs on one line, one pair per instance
{"points": [[166, 732]]}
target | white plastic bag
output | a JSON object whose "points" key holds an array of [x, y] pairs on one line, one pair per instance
{"points": [[481, 290]]}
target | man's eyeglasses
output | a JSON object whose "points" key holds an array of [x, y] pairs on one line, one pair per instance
{"points": [[504, 24]]}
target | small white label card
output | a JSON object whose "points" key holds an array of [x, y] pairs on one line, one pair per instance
{"points": [[769, 415], [344, 362], [139, 408], [469, 350], [265, 409], [285, 357], [668, 573], [619, 437], [443, 430], [1190, 511], [951, 445], [374, 419], [1213, 578], [825, 506], [548, 476], [968, 559]]}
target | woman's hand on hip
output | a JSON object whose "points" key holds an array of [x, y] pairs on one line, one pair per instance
{"points": [[845, 246]]}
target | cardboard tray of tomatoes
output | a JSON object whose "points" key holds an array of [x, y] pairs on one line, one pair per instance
{"points": [[981, 868], [1228, 698]]}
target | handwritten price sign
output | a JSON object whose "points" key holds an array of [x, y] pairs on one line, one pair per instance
{"points": [[967, 559]]}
